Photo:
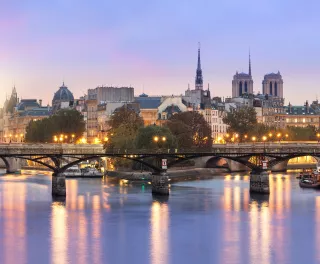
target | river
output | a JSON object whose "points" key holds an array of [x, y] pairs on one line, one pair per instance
{"points": [[208, 221]]}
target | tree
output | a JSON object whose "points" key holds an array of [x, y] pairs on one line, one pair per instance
{"points": [[154, 137], [302, 133], [191, 130], [125, 116], [241, 121], [124, 123], [66, 121]]}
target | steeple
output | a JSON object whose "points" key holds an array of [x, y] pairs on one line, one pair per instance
{"points": [[14, 92], [199, 78], [249, 63]]}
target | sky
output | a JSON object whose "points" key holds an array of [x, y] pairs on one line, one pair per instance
{"points": [[151, 45]]}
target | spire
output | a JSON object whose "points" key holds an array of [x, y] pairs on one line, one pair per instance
{"points": [[249, 63], [199, 78], [199, 59]]}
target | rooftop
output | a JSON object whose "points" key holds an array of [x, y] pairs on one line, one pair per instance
{"points": [[147, 102], [299, 110]]}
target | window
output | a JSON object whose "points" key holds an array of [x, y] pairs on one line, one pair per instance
{"points": [[276, 89], [240, 88], [246, 87], [270, 86]]}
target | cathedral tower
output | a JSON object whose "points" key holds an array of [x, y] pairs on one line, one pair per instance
{"points": [[272, 84], [242, 83]]}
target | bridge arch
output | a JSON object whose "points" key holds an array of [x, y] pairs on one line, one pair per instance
{"points": [[217, 162], [6, 163], [281, 164]]}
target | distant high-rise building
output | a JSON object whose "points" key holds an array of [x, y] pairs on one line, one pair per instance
{"points": [[242, 83], [272, 84]]}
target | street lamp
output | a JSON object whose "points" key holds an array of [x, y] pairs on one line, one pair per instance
{"points": [[253, 139], [318, 136], [264, 138], [156, 139], [164, 139], [279, 136]]}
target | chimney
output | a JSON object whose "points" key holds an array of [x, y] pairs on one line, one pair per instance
{"points": [[40, 102], [307, 107]]}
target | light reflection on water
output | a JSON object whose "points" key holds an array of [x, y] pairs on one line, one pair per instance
{"points": [[211, 221]]}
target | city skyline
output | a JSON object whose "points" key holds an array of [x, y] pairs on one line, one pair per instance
{"points": [[153, 46]]}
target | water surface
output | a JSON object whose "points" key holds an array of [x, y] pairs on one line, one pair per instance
{"points": [[209, 221]]}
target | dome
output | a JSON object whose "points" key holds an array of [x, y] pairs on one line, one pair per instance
{"points": [[63, 95]]}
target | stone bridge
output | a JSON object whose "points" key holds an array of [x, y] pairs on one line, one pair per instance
{"points": [[247, 155], [239, 156]]}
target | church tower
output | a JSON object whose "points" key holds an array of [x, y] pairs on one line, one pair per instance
{"points": [[199, 78], [242, 83], [272, 84]]}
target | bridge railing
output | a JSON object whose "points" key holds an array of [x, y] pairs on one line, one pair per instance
{"points": [[46, 149], [230, 149]]}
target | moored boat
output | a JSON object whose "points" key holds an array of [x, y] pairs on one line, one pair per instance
{"points": [[91, 173], [310, 179], [304, 183], [72, 172], [76, 172]]}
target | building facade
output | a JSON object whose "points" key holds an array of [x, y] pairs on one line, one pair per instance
{"points": [[149, 108], [15, 124], [111, 94], [301, 116], [214, 118]]}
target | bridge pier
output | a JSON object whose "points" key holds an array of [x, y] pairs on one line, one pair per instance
{"points": [[13, 165], [160, 183], [259, 182], [58, 185]]}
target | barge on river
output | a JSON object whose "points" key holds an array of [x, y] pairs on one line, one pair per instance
{"points": [[76, 172]]}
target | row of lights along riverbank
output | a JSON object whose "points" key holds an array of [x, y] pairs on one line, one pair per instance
{"points": [[65, 138], [278, 136]]}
